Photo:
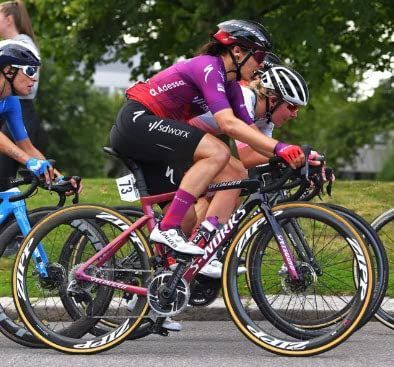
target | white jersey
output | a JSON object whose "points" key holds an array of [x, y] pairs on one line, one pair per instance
{"points": [[207, 122]]}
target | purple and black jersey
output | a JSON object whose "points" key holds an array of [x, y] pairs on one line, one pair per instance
{"points": [[190, 88]]}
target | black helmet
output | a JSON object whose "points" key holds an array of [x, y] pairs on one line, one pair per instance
{"points": [[270, 61], [248, 34], [18, 53]]}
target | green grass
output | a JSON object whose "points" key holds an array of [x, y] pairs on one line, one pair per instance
{"points": [[367, 198]]}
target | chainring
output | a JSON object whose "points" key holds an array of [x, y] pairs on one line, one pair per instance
{"points": [[180, 298], [204, 291]]}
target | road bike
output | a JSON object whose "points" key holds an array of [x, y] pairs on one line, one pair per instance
{"points": [[124, 278], [301, 315], [16, 222]]}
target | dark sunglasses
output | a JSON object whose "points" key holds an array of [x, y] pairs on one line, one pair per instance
{"points": [[30, 71], [258, 55]]}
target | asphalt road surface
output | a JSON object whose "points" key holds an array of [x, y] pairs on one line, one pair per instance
{"points": [[210, 344]]}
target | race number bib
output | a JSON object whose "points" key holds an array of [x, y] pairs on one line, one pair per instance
{"points": [[127, 188]]}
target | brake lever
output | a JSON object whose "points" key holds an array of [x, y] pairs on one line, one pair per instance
{"points": [[75, 199], [305, 170], [329, 173]]}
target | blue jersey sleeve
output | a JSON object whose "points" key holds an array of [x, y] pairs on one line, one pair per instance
{"points": [[13, 114]]}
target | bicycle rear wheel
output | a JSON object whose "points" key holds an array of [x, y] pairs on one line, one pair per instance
{"points": [[262, 310], [77, 247], [61, 311], [10, 239]]}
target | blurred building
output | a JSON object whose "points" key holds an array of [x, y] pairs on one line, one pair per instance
{"points": [[370, 159]]}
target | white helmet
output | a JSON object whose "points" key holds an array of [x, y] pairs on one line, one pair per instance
{"points": [[286, 83]]}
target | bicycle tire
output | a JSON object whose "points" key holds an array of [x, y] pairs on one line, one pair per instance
{"points": [[104, 326], [45, 332], [9, 326], [274, 336], [379, 256], [384, 226]]}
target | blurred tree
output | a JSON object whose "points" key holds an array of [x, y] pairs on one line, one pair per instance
{"points": [[387, 173], [77, 119], [337, 38], [332, 43]]}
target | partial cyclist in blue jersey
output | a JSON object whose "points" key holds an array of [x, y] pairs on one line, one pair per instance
{"points": [[19, 67], [15, 24], [152, 127]]}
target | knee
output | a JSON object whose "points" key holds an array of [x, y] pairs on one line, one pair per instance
{"points": [[235, 170], [222, 154], [213, 149], [239, 169]]}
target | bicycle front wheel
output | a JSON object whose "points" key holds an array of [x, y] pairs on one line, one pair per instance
{"points": [[262, 306], [61, 311], [10, 240], [384, 226]]}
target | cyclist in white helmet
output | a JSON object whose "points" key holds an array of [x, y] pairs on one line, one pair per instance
{"points": [[277, 96], [272, 99]]}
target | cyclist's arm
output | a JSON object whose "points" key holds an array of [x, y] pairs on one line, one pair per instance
{"points": [[11, 150], [13, 115], [250, 158], [237, 129], [27, 146]]}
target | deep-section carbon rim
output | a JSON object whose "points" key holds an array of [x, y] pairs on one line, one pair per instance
{"points": [[263, 333], [75, 340], [384, 226]]}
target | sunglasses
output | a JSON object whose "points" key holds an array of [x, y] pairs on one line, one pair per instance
{"points": [[259, 56], [292, 107], [30, 71]]}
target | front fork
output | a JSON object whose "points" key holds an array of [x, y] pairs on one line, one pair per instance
{"points": [[39, 256], [280, 238]]}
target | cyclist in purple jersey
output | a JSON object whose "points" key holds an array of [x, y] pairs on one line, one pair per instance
{"points": [[190, 88], [151, 127]]}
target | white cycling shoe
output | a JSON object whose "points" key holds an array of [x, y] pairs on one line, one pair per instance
{"points": [[171, 325], [213, 269], [175, 238]]}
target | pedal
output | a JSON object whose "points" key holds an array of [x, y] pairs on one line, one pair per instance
{"points": [[156, 327]]}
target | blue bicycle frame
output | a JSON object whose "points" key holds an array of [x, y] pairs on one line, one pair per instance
{"points": [[19, 210]]}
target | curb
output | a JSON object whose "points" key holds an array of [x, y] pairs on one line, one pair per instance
{"points": [[216, 311]]}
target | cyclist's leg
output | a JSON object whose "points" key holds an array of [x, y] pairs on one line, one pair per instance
{"points": [[152, 140], [224, 202]]}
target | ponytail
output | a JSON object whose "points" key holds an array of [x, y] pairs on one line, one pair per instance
{"points": [[17, 10], [213, 48]]}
